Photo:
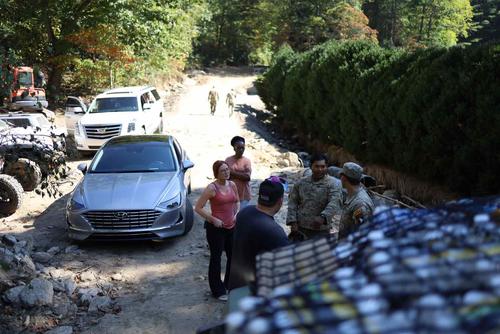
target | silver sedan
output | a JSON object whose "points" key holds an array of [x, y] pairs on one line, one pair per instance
{"points": [[136, 187]]}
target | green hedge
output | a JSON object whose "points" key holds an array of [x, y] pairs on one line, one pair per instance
{"points": [[432, 113]]}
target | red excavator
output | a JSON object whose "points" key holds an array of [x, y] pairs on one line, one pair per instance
{"points": [[25, 90]]}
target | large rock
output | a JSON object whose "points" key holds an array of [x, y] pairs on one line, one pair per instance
{"points": [[100, 303], [59, 272], [72, 249], [88, 275], [9, 240], [27, 264], [20, 265], [69, 286], [63, 306], [42, 257], [252, 90], [7, 258], [11, 296], [61, 330], [58, 285], [289, 159], [39, 292], [85, 295], [54, 250], [22, 248]]}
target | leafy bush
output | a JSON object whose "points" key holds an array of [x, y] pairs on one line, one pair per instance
{"points": [[432, 113]]}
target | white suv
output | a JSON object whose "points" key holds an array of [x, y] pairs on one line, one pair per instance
{"points": [[119, 111]]}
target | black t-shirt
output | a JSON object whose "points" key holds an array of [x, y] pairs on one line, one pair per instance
{"points": [[255, 233]]}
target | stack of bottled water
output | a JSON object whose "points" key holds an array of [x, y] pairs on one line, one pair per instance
{"points": [[404, 271]]}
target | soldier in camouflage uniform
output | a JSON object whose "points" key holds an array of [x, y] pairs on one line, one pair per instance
{"points": [[213, 98], [314, 200], [358, 206]]}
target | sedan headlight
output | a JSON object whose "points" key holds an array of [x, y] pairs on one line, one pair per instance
{"points": [[131, 127], [171, 203], [76, 205]]}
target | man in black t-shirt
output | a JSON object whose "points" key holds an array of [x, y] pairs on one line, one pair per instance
{"points": [[257, 232]]}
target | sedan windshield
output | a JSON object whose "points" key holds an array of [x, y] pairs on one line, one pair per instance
{"points": [[114, 104], [134, 158]]}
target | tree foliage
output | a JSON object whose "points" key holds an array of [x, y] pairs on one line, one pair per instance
{"points": [[432, 113], [115, 41], [418, 23], [250, 31], [486, 23]]}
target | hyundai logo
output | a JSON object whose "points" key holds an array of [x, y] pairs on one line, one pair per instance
{"points": [[121, 215], [102, 130]]}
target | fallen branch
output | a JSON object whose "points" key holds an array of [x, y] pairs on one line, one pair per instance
{"points": [[380, 186], [82, 270], [414, 201], [391, 199]]}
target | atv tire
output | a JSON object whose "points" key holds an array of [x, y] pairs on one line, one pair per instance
{"points": [[27, 172], [11, 194]]}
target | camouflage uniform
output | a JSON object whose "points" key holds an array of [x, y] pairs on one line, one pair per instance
{"points": [[213, 97], [309, 199], [359, 201], [230, 102]]}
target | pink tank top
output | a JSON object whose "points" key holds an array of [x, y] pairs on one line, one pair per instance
{"points": [[223, 206]]}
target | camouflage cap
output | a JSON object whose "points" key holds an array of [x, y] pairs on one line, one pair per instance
{"points": [[352, 171]]}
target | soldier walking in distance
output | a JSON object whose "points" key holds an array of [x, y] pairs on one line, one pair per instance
{"points": [[213, 98], [230, 97]]}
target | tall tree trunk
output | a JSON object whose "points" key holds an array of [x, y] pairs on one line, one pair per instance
{"points": [[392, 27], [421, 25], [55, 71]]}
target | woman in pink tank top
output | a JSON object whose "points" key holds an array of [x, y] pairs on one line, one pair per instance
{"points": [[219, 223]]}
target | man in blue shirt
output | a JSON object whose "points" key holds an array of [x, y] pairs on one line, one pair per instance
{"points": [[257, 232]]}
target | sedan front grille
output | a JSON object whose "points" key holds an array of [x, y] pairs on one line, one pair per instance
{"points": [[102, 131], [127, 219]]}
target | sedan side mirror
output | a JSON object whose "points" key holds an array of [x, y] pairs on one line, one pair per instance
{"points": [[186, 164], [82, 167]]}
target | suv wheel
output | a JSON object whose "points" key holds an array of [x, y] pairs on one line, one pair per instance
{"points": [[11, 194], [27, 172]]}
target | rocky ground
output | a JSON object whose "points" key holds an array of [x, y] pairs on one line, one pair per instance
{"points": [[53, 285]]}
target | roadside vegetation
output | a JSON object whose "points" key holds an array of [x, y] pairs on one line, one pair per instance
{"points": [[432, 113]]}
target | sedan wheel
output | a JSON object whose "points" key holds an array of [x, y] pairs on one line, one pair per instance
{"points": [[189, 219]]}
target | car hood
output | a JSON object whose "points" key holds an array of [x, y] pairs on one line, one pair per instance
{"points": [[126, 191], [106, 118]]}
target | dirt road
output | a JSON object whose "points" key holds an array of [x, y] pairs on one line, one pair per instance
{"points": [[160, 287]]}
